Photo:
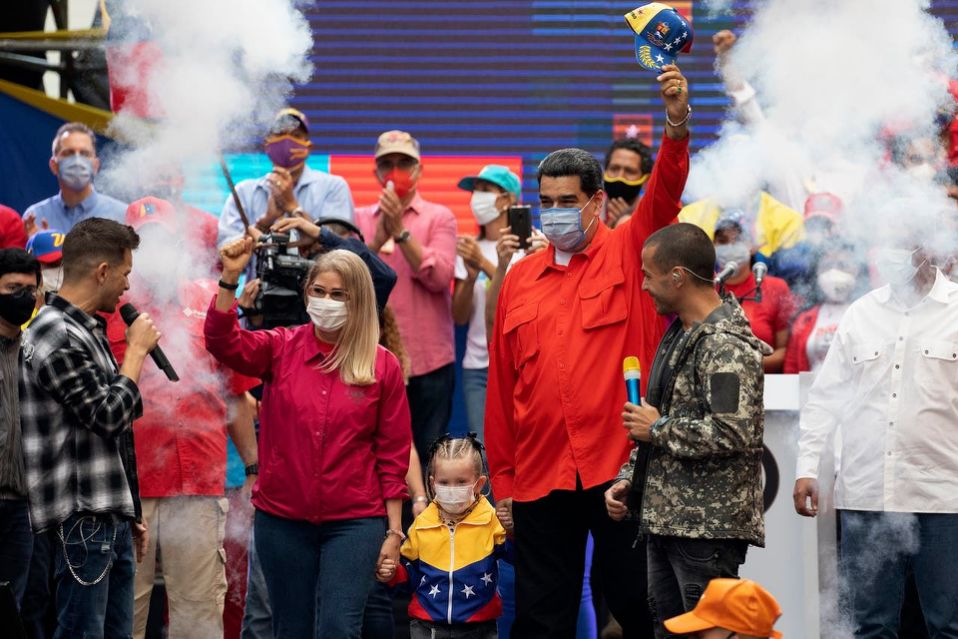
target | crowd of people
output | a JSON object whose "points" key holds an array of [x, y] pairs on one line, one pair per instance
{"points": [[342, 489]]}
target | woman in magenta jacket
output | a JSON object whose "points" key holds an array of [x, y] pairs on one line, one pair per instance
{"points": [[334, 444]]}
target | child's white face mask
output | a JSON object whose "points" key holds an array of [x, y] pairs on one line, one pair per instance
{"points": [[455, 499]]}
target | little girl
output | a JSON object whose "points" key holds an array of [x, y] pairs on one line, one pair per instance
{"points": [[449, 559]]}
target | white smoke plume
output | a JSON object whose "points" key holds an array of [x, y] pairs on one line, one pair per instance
{"points": [[222, 68], [833, 80]]}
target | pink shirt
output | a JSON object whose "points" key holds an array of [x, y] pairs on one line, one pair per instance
{"points": [[327, 450], [422, 300]]}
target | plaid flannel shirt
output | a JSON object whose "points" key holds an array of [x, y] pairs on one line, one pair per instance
{"points": [[77, 414]]}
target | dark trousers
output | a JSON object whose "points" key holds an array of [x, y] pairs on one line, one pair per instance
{"points": [[96, 550], [877, 551], [39, 618], [680, 569], [16, 544], [430, 404], [550, 558]]}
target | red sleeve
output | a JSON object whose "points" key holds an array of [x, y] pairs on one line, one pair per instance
{"points": [[116, 335], [661, 201], [247, 352], [796, 360], [401, 576], [500, 413], [394, 434], [12, 232], [239, 384]]}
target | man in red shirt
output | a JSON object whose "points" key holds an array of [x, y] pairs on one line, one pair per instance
{"points": [[181, 438], [566, 318]]}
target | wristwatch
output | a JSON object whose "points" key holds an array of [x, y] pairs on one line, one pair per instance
{"points": [[402, 237], [252, 469]]}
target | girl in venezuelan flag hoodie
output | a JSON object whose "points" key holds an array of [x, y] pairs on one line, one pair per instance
{"points": [[449, 560]]}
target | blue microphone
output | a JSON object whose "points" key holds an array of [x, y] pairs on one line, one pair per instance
{"points": [[633, 379]]}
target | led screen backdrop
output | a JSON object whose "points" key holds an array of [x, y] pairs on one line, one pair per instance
{"points": [[476, 80]]}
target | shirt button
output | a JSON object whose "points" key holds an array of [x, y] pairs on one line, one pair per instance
{"points": [[559, 333], [901, 339], [894, 394], [897, 366], [889, 453], [891, 423]]}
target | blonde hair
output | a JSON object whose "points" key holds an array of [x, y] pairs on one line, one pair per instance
{"points": [[354, 354], [456, 448]]}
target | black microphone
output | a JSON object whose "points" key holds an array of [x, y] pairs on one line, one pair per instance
{"points": [[727, 272], [129, 314]]}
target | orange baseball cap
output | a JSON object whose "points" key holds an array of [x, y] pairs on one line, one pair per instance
{"points": [[738, 605]]}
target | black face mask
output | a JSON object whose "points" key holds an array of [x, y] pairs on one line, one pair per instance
{"points": [[17, 308], [628, 190]]}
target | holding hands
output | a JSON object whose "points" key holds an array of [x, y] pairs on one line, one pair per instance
{"points": [[386, 571]]}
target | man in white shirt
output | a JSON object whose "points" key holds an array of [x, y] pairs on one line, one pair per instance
{"points": [[890, 382]]}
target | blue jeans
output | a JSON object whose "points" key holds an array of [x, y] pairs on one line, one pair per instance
{"points": [[318, 577], [877, 550], [16, 544], [257, 615], [474, 391], [378, 620], [99, 550]]}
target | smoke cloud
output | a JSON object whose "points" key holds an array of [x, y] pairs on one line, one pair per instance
{"points": [[847, 90], [206, 77]]}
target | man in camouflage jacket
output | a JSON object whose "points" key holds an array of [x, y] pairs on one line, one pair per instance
{"points": [[694, 481]]}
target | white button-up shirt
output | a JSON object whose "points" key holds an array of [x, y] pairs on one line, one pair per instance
{"points": [[890, 382]]}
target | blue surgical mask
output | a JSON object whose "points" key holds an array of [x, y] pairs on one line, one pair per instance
{"points": [[563, 227], [75, 171]]}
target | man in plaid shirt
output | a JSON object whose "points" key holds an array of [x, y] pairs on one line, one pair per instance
{"points": [[77, 411]]}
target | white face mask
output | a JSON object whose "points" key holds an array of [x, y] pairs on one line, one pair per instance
{"points": [[895, 266], [327, 314], [483, 205], [836, 285], [922, 172], [52, 278], [455, 499], [737, 252]]}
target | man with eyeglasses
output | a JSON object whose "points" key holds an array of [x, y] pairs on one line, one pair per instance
{"points": [[19, 285], [74, 162], [417, 238], [730, 609]]}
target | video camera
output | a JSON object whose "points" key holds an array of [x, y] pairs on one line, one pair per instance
{"points": [[282, 276]]}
